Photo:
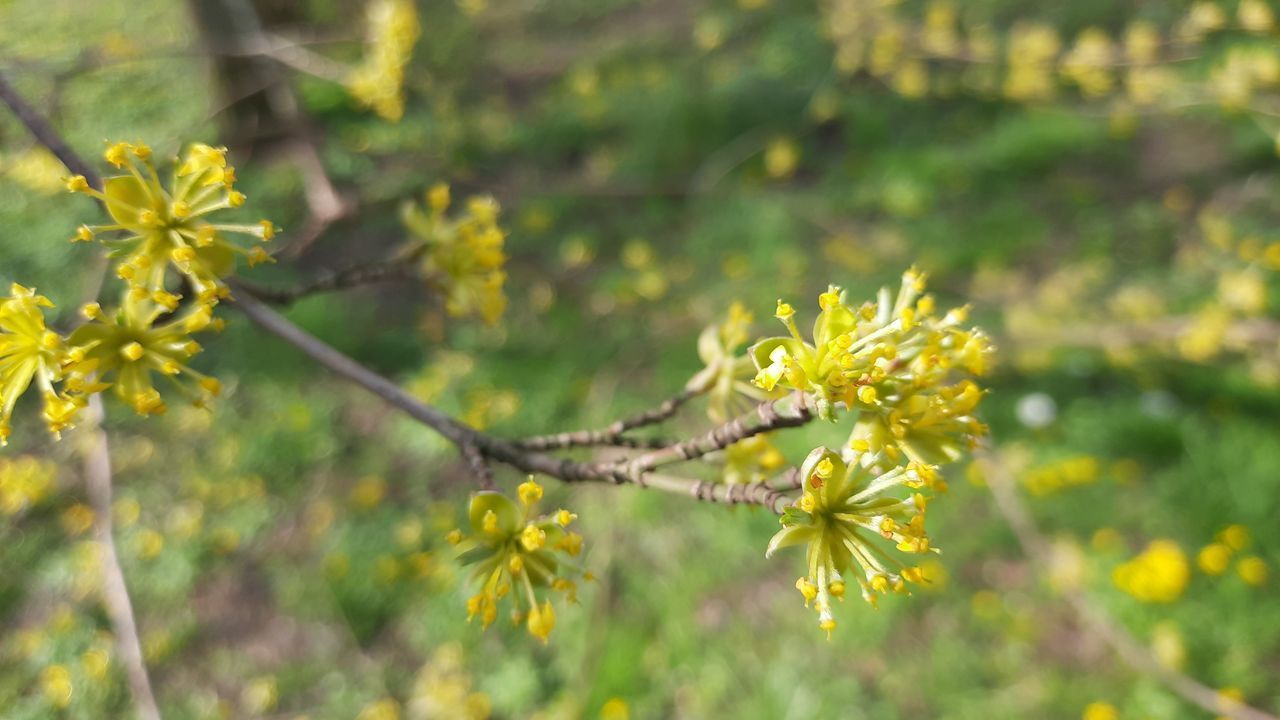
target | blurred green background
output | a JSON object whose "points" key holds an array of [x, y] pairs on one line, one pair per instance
{"points": [[656, 161]]}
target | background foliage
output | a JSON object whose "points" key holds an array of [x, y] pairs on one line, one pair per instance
{"points": [[656, 161]]}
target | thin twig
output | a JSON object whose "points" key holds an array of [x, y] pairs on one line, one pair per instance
{"points": [[791, 411], [768, 417], [1095, 617], [45, 134], [613, 434], [479, 466], [351, 277], [115, 593]]}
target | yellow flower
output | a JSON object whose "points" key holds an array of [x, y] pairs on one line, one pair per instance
{"points": [[516, 554], [157, 226], [138, 341], [726, 374], [1158, 575], [30, 352], [1252, 570], [752, 460], [1100, 711], [55, 683], [1213, 559], [378, 82], [891, 361], [463, 256], [845, 517]]}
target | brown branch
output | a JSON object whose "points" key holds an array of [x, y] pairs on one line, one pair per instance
{"points": [[115, 593], [479, 466], [510, 453], [355, 276], [45, 134], [1095, 617], [791, 411], [613, 434]]}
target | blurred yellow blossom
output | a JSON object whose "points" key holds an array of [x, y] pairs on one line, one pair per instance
{"points": [[1159, 574]]}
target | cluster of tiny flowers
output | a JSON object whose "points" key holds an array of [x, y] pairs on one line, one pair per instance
{"points": [[378, 82], [157, 226], [726, 377], [1158, 574], [895, 364], [517, 553], [157, 229], [463, 255], [891, 361], [844, 515], [32, 353]]}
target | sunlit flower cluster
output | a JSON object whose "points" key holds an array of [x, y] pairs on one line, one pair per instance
{"points": [[30, 353], [894, 362], [727, 373], [1159, 574], [462, 254], [378, 82], [517, 553], [848, 516], [24, 482], [159, 225]]}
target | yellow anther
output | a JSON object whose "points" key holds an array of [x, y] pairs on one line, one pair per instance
{"points": [[132, 352], [529, 491], [532, 537]]}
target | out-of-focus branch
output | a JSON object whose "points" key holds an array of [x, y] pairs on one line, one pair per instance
{"points": [[45, 134], [1095, 617], [351, 277], [115, 593]]}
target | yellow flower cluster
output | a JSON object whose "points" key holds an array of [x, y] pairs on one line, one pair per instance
{"points": [[463, 255], [157, 227], [24, 482], [1067, 473], [32, 353], [727, 374], [892, 362], [1159, 574], [844, 515], [515, 553], [752, 460], [378, 82], [443, 688], [1215, 558]]}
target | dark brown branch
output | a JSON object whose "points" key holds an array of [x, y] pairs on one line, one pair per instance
{"points": [[399, 269], [479, 466], [45, 134], [613, 434]]}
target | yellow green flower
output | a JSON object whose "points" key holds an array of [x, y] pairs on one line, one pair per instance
{"points": [[158, 225], [378, 82], [463, 256], [516, 553], [30, 352], [848, 517], [727, 373], [1158, 574], [752, 460], [893, 362], [129, 347]]}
